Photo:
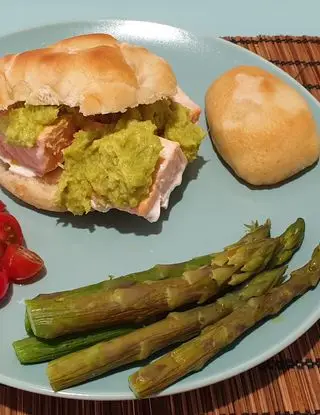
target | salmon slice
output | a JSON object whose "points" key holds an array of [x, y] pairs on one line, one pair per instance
{"points": [[46, 155], [170, 169], [183, 99]]}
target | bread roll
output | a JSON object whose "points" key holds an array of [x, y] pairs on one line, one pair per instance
{"points": [[261, 126], [94, 72]]}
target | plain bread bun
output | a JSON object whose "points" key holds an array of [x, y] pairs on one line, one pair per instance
{"points": [[261, 126]]}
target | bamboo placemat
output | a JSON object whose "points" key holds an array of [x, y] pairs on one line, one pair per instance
{"points": [[287, 384]]}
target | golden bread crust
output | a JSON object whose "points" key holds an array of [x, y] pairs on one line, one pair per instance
{"points": [[94, 72], [261, 126]]}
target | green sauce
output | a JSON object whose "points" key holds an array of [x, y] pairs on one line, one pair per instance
{"points": [[22, 126], [117, 167]]}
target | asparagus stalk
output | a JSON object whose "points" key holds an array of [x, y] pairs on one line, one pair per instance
{"points": [[194, 354], [27, 324], [255, 232], [50, 318], [176, 327], [34, 350], [156, 273], [289, 242]]}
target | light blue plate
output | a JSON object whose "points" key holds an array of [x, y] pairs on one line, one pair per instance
{"points": [[211, 214]]}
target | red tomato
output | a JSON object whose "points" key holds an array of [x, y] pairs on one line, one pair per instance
{"points": [[3, 247], [4, 284], [20, 263], [10, 230], [2, 206]]}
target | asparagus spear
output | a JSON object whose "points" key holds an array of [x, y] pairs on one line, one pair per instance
{"points": [[34, 350], [194, 354], [27, 324], [156, 273], [289, 242], [255, 232], [50, 318], [176, 327]]}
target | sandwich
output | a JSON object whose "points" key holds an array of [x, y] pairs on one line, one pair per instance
{"points": [[90, 123]]}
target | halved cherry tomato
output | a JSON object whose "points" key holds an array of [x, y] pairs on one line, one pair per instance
{"points": [[20, 263], [3, 247], [2, 206], [4, 284], [10, 230]]}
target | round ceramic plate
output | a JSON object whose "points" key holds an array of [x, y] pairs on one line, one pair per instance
{"points": [[206, 213]]}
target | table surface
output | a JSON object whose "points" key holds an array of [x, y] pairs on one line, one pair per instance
{"points": [[205, 17]]}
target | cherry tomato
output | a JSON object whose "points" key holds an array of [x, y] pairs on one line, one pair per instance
{"points": [[20, 263], [10, 230], [3, 247], [2, 206], [4, 284]]}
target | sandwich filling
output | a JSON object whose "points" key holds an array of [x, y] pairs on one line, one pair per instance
{"points": [[111, 158], [117, 167]]}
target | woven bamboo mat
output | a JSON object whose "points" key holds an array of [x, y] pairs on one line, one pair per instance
{"points": [[287, 384]]}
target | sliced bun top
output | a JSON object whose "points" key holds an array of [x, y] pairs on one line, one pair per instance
{"points": [[94, 72], [261, 126]]}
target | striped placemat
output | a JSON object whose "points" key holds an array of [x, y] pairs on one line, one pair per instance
{"points": [[287, 384]]}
